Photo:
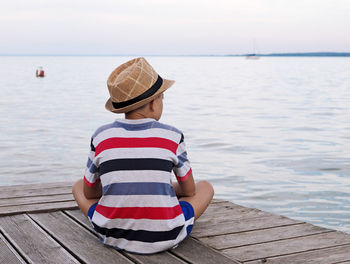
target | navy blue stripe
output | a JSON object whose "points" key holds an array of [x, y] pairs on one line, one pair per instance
{"points": [[139, 188], [136, 127], [182, 159], [182, 138], [135, 164], [92, 167], [139, 235], [92, 147]]}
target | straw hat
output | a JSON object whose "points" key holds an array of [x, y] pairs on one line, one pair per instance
{"points": [[134, 84]]}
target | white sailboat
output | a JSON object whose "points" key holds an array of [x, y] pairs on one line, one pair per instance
{"points": [[253, 55]]}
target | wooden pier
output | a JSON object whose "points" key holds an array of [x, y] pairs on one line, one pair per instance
{"points": [[41, 224]]}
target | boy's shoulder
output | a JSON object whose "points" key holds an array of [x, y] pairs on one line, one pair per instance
{"points": [[139, 124], [167, 127]]}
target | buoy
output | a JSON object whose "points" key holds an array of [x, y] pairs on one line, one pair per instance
{"points": [[40, 72]]}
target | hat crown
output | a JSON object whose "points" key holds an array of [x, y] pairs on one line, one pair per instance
{"points": [[131, 79]]}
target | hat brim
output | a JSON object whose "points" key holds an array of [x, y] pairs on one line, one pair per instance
{"points": [[165, 85]]}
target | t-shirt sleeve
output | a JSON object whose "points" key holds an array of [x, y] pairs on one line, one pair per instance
{"points": [[182, 168], [91, 176]]}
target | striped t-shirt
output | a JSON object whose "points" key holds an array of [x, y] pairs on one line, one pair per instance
{"points": [[134, 159]]}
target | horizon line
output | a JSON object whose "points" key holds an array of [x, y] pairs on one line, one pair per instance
{"points": [[276, 54]]}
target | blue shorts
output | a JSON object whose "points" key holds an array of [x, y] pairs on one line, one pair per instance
{"points": [[186, 208], [188, 212], [92, 210]]}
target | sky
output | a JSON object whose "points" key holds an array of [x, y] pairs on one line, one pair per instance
{"points": [[173, 27]]}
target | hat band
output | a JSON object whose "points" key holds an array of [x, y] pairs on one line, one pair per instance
{"points": [[151, 91]]}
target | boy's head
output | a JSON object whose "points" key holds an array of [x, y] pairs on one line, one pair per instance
{"points": [[133, 85]]}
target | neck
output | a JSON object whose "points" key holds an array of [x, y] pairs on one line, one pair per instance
{"points": [[135, 115]]}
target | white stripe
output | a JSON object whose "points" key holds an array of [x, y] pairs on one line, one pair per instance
{"points": [[138, 201], [134, 153], [120, 132], [135, 176], [141, 247], [138, 224], [181, 149], [189, 222], [91, 155]]}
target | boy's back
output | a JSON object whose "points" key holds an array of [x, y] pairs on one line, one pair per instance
{"points": [[134, 159]]}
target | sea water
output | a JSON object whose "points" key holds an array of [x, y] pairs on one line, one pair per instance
{"points": [[273, 133]]}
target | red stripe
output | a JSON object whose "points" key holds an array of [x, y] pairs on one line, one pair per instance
{"points": [[89, 183], [154, 213], [184, 178], [151, 142]]}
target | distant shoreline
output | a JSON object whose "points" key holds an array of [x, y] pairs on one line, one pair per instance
{"points": [[305, 54], [288, 54]]}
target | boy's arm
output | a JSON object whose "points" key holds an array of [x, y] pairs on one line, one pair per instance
{"points": [[93, 192], [185, 188]]}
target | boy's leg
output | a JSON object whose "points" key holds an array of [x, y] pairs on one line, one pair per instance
{"points": [[78, 193], [200, 201]]}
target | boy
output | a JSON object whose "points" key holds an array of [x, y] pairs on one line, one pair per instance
{"points": [[127, 192]]}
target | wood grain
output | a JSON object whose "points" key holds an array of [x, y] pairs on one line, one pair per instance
{"points": [[288, 246], [7, 253], [34, 244], [76, 239], [36, 208], [262, 236], [319, 256], [195, 252]]}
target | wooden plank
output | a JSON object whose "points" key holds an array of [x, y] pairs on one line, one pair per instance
{"points": [[79, 217], [223, 203], [36, 199], [194, 252], [261, 236], [214, 201], [204, 229], [32, 242], [228, 216], [231, 215], [36, 208], [44, 190], [7, 253], [288, 246], [76, 239], [223, 207], [164, 257], [321, 256], [230, 210], [39, 186]]}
